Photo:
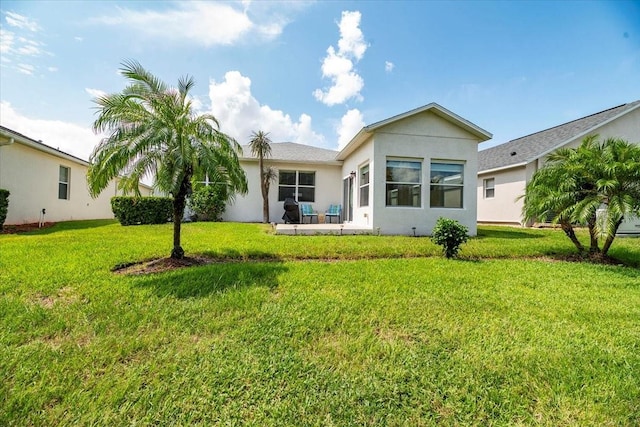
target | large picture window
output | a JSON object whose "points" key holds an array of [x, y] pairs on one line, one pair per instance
{"points": [[404, 183], [446, 185], [299, 185], [63, 183], [364, 185]]}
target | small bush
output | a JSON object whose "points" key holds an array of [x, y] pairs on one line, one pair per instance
{"points": [[4, 206], [142, 210], [209, 202], [449, 234]]}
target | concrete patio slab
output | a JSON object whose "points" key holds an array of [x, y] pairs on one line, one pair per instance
{"points": [[312, 229]]}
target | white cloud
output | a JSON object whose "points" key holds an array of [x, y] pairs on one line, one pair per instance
{"points": [[338, 66], [389, 66], [18, 46], [68, 137], [350, 125], [95, 93], [202, 23], [240, 114], [78, 38], [7, 39], [26, 69], [19, 21], [52, 69], [351, 38]]}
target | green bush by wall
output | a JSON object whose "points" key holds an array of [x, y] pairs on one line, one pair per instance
{"points": [[142, 210], [4, 206]]}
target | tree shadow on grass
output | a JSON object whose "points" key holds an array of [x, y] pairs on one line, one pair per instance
{"points": [[68, 226], [506, 233], [217, 277]]}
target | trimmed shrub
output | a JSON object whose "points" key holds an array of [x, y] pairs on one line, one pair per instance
{"points": [[142, 210], [209, 202], [449, 234], [4, 206]]}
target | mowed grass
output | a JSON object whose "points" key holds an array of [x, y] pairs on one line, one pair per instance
{"points": [[315, 330]]}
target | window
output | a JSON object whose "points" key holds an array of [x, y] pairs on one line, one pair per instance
{"points": [[446, 185], [489, 188], [299, 185], [63, 183], [404, 183], [364, 185]]}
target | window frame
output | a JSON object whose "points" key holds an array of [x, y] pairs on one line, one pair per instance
{"points": [[296, 186], [364, 186], [415, 186], [66, 183], [486, 187], [459, 185]]}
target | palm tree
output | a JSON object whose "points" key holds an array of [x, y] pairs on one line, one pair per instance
{"points": [[152, 130], [576, 182], [261, 147]]}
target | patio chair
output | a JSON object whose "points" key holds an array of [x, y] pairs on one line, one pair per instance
{"points": [[334, 211], [306, 211]]}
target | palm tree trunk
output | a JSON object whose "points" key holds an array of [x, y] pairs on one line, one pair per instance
{"points": [[610, 237], [593, 235], [179, 202], [571, 234]]}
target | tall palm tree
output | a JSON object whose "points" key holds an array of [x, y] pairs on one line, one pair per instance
{"points": [[152, 130], [261, 147]]}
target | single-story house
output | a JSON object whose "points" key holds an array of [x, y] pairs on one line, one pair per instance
{"points": [[394, 175], [48, 185], [504, 170]]}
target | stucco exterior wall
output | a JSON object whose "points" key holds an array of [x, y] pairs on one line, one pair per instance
{"points": [[503, 207], [425, 137], [32, 177], [362, 215], [248, 208]]}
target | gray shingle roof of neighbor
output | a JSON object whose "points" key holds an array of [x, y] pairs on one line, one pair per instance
{"points": [[527, 148], [293, 152]]}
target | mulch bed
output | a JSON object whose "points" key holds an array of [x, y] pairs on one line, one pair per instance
{"points": [[23, 228], [159, 265]]}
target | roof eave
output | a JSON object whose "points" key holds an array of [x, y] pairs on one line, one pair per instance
{"points": [[502, 168], [439, 110], [299, 161], [355, 142], [17, 137]]}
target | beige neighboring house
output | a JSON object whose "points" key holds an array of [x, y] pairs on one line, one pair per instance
{"points": [[47, 184], [396, 174], [504, 170]]}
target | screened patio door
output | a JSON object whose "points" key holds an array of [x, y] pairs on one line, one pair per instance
{"points": [[347, 199]]}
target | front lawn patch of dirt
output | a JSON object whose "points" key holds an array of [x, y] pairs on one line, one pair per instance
{"points": [[159, 265]]}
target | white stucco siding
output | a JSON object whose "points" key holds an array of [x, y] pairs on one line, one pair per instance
{"points": [[425, 137], [32, 177], [503, 206], [248, 208], [363, 155]]}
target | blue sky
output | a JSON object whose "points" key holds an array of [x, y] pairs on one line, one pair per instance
{"points": [[316, 72]]}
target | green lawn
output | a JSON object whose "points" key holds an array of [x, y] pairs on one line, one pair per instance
{"points": [[315, 330]]}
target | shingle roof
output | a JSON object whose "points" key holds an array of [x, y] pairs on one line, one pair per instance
{"points": [[527, 148], [293, 152]]}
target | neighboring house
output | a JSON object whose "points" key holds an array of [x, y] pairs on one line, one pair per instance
{"points": [[396, 174], [504, 170], [43, 179]]}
